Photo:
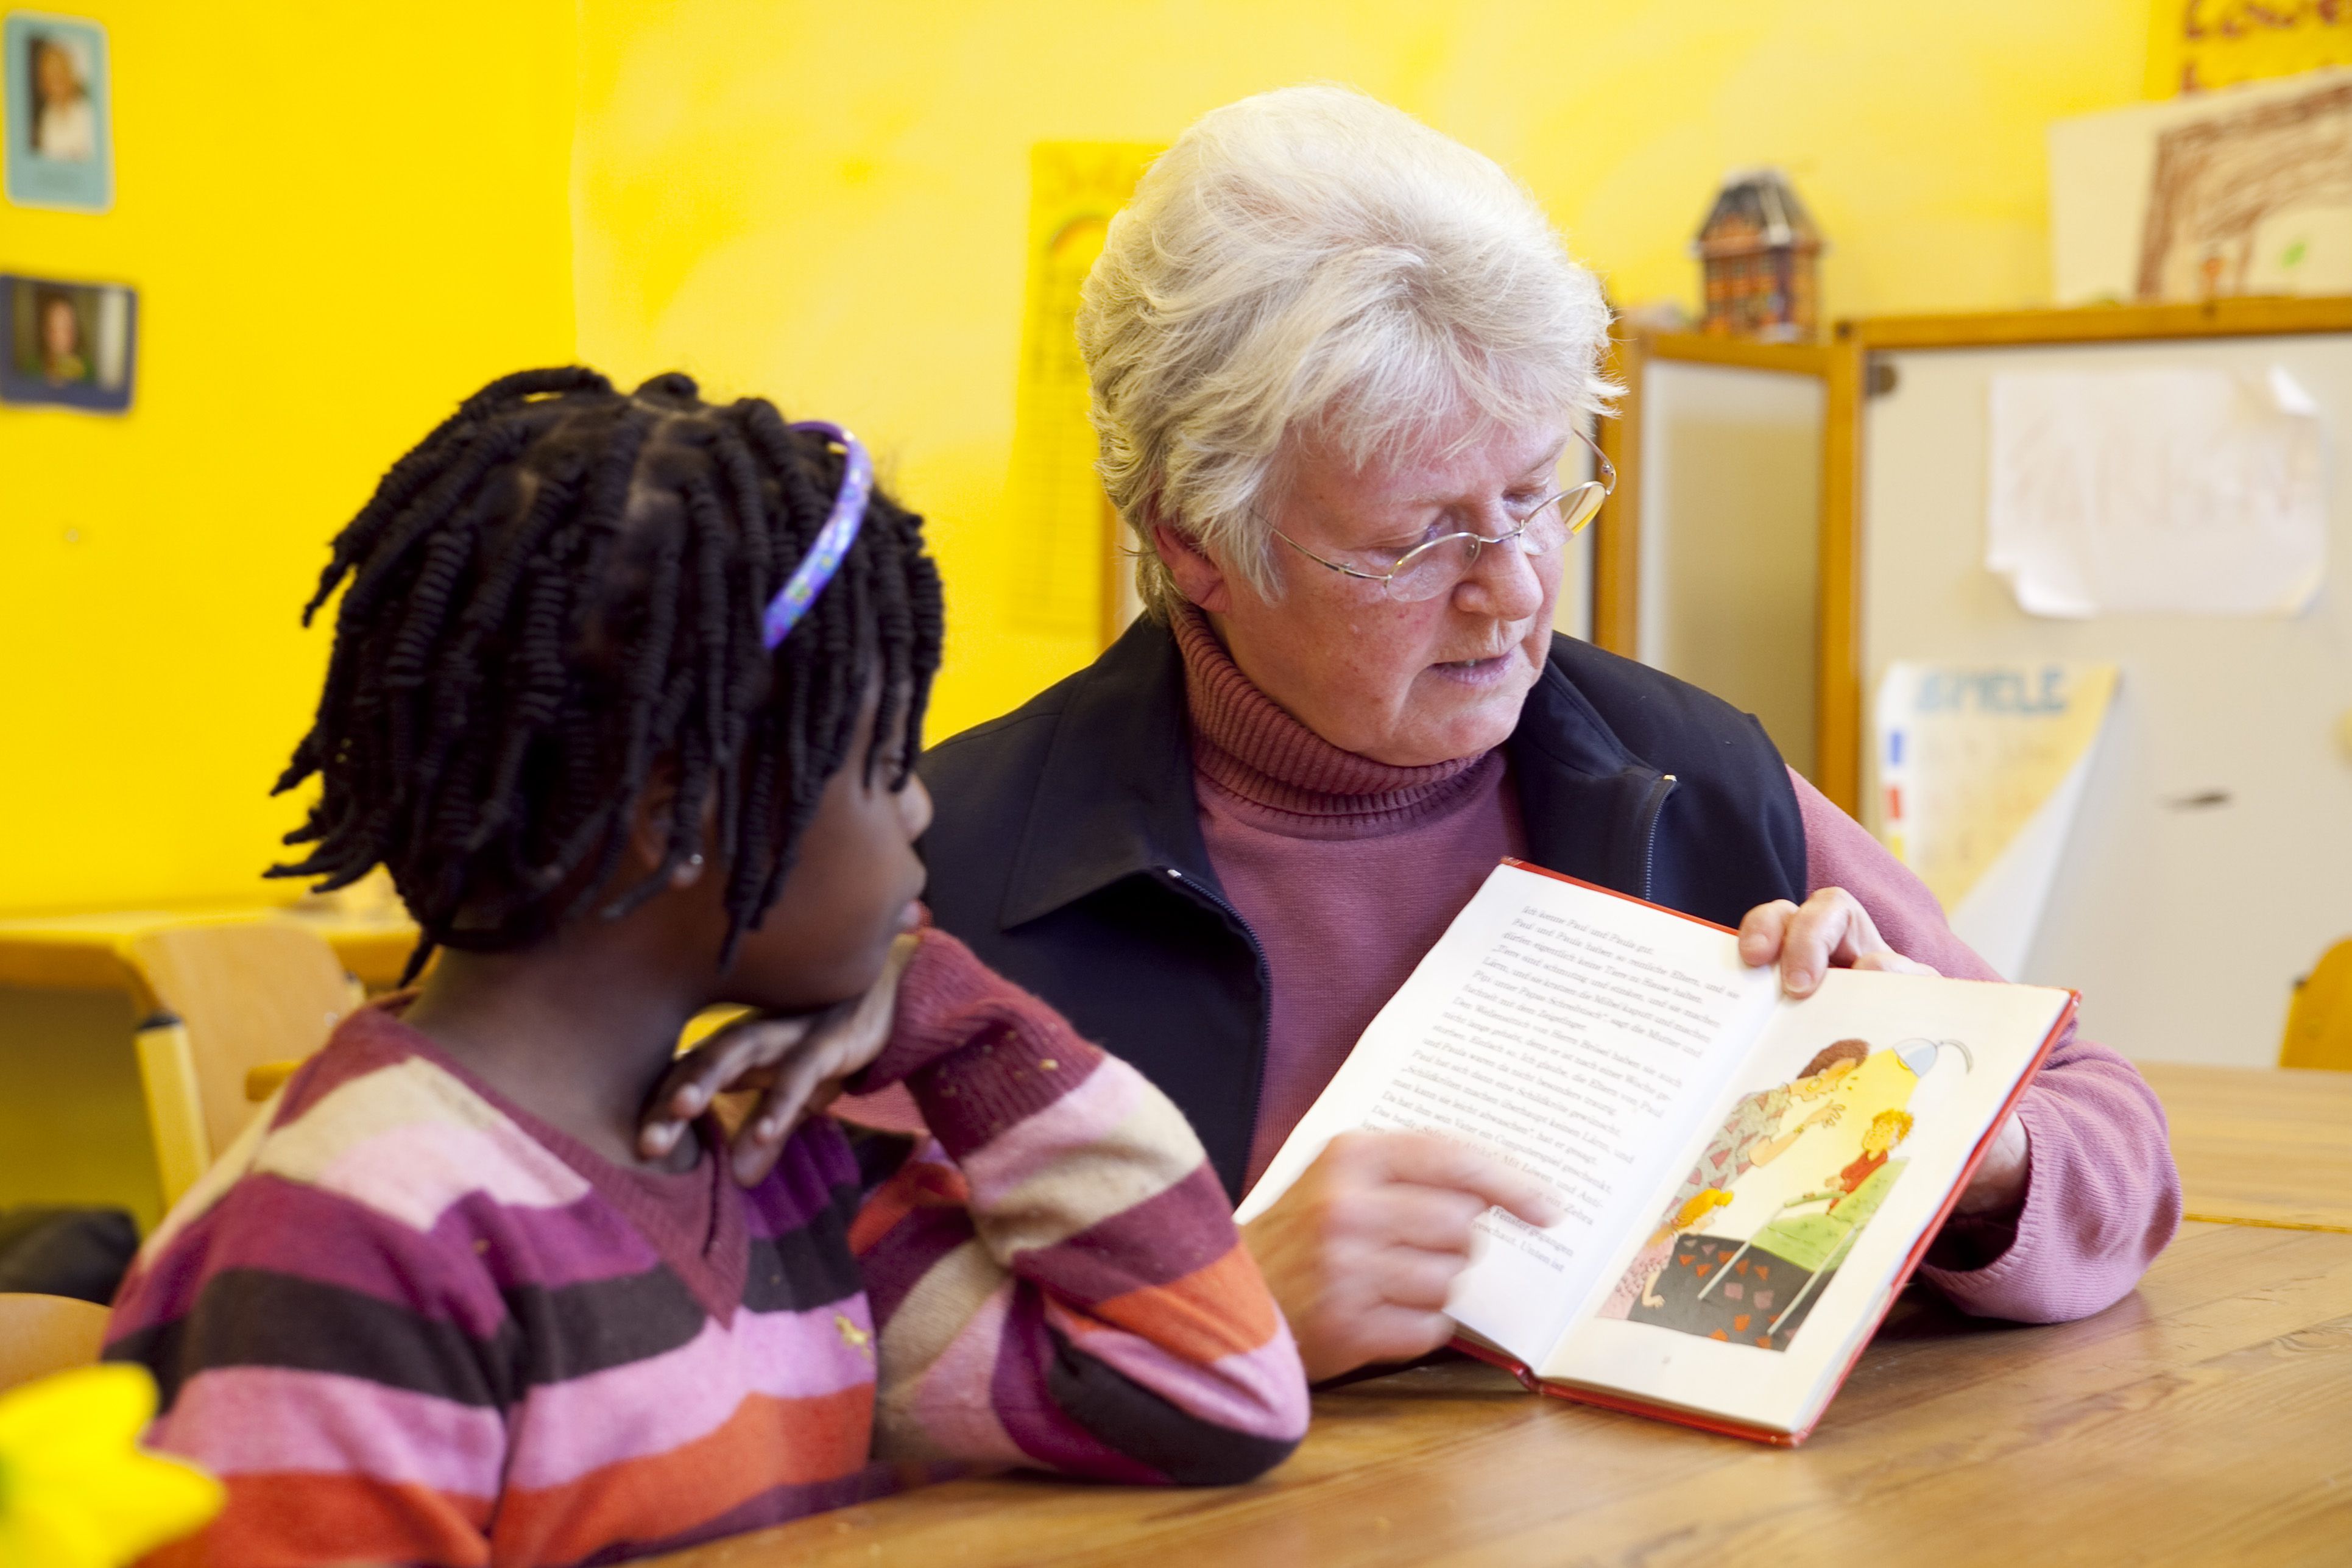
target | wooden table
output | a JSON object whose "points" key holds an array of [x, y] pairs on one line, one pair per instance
{"points": [[2205, 1418], [86, 953], [2261, 1145]]}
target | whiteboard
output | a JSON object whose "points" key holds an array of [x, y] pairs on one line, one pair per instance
{"points": [[1572, 610], [2211, 862], [1730, 505]]}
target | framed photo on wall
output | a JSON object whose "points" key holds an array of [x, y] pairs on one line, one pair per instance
{"points": [[70, 345], [59, 133]]}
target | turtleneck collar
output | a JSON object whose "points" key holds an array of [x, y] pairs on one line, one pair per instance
{"points": [[1247, 745]]}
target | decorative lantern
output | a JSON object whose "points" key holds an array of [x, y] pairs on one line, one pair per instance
{"points": [[1761, 258]]}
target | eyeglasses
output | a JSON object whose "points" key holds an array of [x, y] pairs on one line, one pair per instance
{"points": [[1436, 565]]}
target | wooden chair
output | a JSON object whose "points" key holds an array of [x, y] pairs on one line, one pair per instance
{"points": [[2319, 1019], [42, 1334], [238, 1005]]}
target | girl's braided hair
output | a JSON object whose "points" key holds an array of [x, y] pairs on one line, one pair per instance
{"points": [[558, 594]]}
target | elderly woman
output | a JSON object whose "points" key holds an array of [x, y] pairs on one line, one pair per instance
{"points": [[1337, 361]]}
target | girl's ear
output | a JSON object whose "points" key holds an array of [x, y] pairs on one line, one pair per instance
{"points": [[649, 822]]}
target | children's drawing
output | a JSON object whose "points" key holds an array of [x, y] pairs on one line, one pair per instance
{"points": [[2228, 195], [1755, 1289]]}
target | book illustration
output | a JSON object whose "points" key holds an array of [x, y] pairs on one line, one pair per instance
{"points": [[1782, 1195]]}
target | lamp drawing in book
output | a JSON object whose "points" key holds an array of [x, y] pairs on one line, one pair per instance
{"points": [[1745, 1180]]}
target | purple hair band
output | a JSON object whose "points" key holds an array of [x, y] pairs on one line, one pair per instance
{"points": [[833, 541]]}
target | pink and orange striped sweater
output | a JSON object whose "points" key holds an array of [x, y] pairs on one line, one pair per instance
{"points": [[406, 1320]]}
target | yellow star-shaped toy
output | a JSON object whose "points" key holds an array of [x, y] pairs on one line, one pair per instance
{"points": [[75, 1491]]}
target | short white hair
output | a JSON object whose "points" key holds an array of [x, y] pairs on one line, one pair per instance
{"points": [[1312, 259]]}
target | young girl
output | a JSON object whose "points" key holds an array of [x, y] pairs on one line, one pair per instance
{"points": [[625, 691]]}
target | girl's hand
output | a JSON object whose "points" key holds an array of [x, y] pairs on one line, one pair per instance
{"points": [[797, 1065]]}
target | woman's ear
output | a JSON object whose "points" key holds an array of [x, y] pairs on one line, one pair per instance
{"points": [[1196, 573]]}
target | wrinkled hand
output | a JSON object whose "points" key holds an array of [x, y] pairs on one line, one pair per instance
{"points": [[1826, 1116], [796, 1065], [1360, 1252], [1998, 1189], [1831, 928]]}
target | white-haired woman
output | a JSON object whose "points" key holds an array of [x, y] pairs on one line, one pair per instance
{"points": [[1337, 361]]}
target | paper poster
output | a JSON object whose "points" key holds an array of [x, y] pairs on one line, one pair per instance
{"points": [[2201, 44], [2218, 194], [66, 344], [1980, 770], [1069, 583], [59, 141], [2189, 491]]}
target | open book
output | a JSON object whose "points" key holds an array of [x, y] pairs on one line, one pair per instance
{"points": [[1748, 1179]]}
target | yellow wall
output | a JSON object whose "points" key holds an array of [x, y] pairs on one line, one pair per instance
{"points": [[340, 220], [826, 203]]}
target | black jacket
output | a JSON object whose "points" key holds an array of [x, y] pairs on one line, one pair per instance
{"points": [[1066, 848]]}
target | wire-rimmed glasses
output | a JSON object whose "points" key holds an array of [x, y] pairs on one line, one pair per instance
{"points": [[1435, 566]]}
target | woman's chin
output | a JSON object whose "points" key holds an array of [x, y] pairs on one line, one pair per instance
{"points": [[1459, 714]]}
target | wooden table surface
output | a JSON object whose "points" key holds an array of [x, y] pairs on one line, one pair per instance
{"points": [[2205, 1418], [86, 953], [2261, 1145]]}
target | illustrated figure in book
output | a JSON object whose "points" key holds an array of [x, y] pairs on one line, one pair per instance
{"points": [[1757, 1289], [1887, 1129], [1752, 1136], [1659, 1251]]}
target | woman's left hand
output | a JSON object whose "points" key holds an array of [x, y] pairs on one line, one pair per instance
{"points": [[796, 1065], [1829, 929]]}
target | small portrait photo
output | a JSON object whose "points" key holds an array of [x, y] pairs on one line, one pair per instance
{"points": [[61, 146], [70, 345]]}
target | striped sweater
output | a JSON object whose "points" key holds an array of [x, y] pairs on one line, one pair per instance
{"points": [[406, 1320]]}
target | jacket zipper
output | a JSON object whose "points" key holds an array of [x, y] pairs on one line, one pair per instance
{"points": [[1202, 892], [1657, 802]]}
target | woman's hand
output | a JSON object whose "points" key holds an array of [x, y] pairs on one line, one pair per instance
{"points": [[1360, 1253], [797, 1065], [1829, 928], [1998, 1189]]}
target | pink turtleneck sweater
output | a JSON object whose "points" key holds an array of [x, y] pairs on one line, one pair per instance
{"points": [[1348, 870]]}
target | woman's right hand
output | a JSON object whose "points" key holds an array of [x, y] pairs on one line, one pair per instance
{"points": [[1360, 1252]]}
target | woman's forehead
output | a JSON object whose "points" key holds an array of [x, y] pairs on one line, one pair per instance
{"points": [[1443, 466]]}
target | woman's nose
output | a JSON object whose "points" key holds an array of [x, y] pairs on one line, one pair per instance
{"points": [[1501, 582]]}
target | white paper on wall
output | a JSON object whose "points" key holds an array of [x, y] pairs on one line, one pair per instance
{"points": [[2191, 491], [1981, 768]]}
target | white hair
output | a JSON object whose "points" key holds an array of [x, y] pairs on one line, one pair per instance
{"points": [[1312, 259]]}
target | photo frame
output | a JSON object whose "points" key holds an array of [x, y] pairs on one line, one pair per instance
{"points": [[68, 346], [59, 111]]}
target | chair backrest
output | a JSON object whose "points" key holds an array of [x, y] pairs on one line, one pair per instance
{"points": [[42, 1334], [240, 995], [2319, 1019]]}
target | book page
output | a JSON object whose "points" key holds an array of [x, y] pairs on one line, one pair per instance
{"points": [[1744, 1286], [1573, 1034]]}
